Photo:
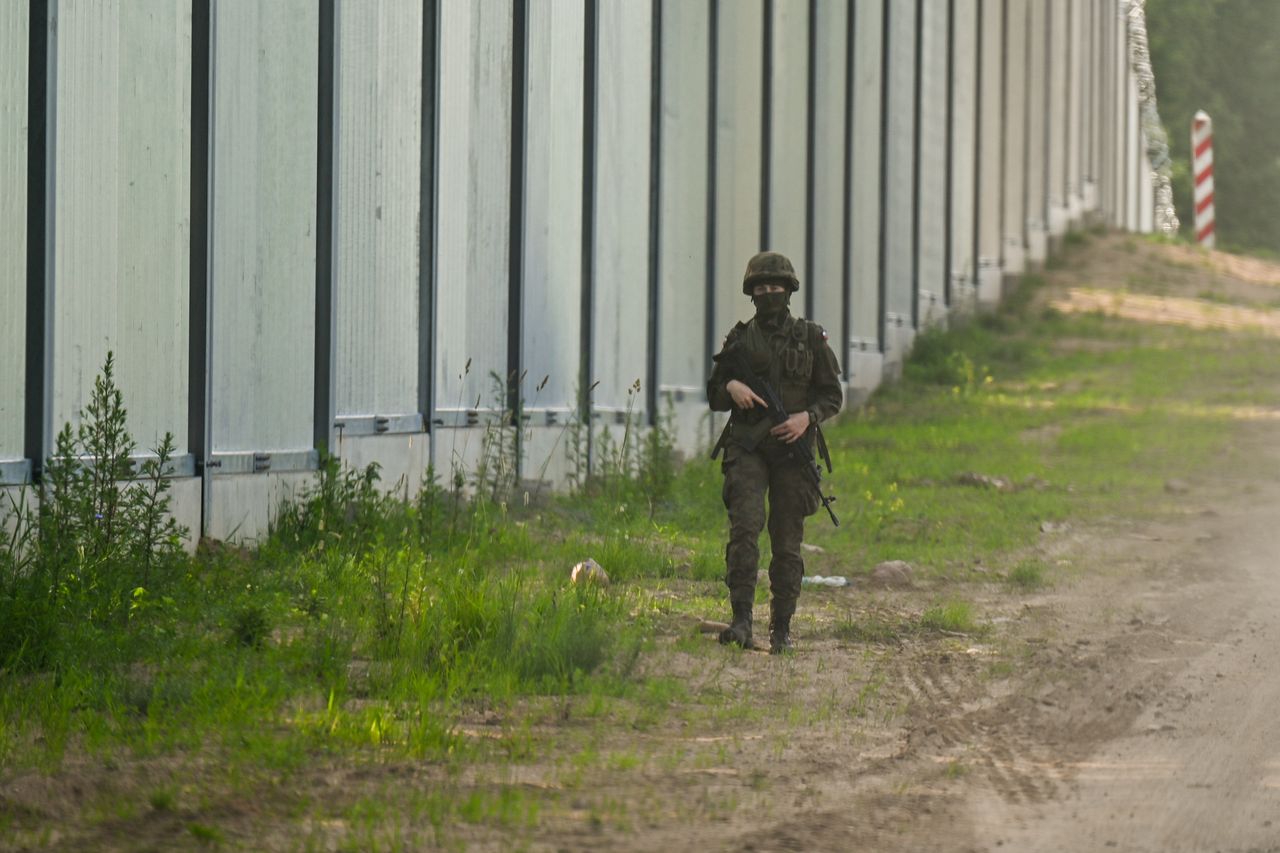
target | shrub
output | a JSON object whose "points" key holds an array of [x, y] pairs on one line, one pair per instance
{"points": [[100, 539], [341, 505], [938, 359]]}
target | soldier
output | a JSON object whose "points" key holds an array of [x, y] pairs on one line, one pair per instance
{"points": [[792, 355]]}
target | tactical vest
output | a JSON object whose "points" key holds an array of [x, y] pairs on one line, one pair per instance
{"points": [[784, 358]]}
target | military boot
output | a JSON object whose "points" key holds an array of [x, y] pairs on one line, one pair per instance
{"points": [[739, 632], [780, 627]]}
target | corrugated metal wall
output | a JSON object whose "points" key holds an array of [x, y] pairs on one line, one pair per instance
{"points": [[931, 194], [1075, 115], [408, 201], [1014, 213], [621, 297], [826, 279], [1093, 106], [739, 156], [1108, 126], [1135, 169], [553, 181], [475, 206], [900, 163], [120, 224], [683, 192], [1037, 140], [1059, 38], [864, 231], [14, 38], [263, 143], [990, 128], [964, 138], [377, 203], [786, 208], [1127, 124]]}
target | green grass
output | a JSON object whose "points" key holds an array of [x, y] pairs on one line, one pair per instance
{"points": [[1028, 574], [880, 627], [162, 800], [955, 617], [207, 835], [874, 627], [1081, 415]]}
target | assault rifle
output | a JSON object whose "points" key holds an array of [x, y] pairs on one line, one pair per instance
{"points": [[799, 452]]}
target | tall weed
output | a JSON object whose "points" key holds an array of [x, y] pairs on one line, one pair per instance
{"points": [[99, 542]]}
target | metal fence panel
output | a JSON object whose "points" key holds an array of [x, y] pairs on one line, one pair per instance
{"points": [[14, 22], [1120, 135], [472, 264], [1128, 123], [1104, 163], [263, 224], [932, 192], [682, 227], [738, 155], [900, 161], [1076, 125], [120, 229], [621, 301], [377, 167], [1055, 106], [1014, 215], [1134, 155], [864, 236], [1104, 156], [552, 300], [1116, 76], [990, 140], [827, 278], [788, 140], [1058, 116], [962, 263], [1146, 188], [1037, 125], [1094, 60]]}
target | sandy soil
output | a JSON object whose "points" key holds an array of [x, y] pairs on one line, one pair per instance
{"points": [[1198, 767], [1153, 727]]}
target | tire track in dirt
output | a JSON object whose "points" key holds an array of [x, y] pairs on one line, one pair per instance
{"points": [[1198, 768], [1015, 766], [1145, 727]]}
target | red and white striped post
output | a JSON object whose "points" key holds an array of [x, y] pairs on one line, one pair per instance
{"points": [[1202, 169]]}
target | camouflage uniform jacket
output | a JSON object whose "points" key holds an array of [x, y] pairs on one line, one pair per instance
{"points": [[796, 360]]}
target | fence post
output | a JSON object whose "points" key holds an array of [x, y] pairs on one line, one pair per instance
{"points": [[1202, 169]]}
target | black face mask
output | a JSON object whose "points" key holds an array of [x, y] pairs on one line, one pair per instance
{"points": [[771, 307]]}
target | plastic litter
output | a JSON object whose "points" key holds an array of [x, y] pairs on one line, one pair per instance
{"points": [[830, 580]]}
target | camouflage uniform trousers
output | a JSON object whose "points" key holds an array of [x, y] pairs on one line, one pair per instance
{"points": [[748, 476]]}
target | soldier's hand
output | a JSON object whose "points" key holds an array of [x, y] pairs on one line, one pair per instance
{"points": [[743, 396], [792, 428]]}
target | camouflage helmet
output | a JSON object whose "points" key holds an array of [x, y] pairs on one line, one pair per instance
{"points": [[770, 267]]}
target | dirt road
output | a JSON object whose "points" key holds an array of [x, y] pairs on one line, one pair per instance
{"points": [[1145, 712], [1198, 765], [1141, 716], [1150, 721], [1134, 705]]}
